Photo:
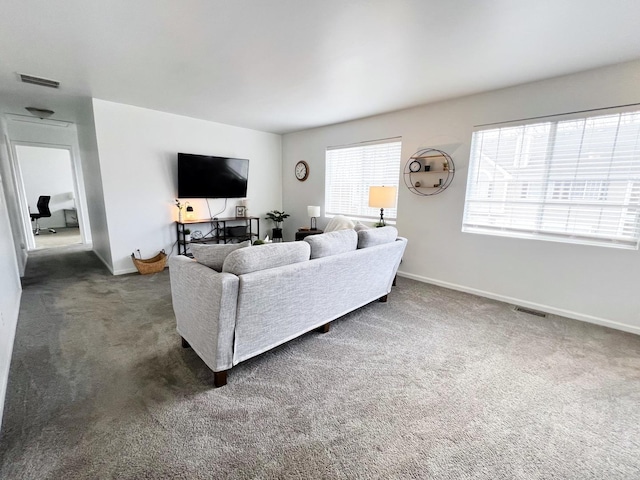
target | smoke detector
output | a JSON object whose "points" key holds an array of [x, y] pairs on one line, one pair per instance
{"points": [[43, 82], [41, 113]]}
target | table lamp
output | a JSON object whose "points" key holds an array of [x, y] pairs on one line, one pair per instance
{"points": [[314, 213], [382, 197], [191, 215]]}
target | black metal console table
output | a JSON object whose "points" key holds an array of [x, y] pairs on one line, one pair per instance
{"points": [[219, 230]]}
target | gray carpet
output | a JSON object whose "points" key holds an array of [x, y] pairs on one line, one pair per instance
{"points": [[435, 384]]}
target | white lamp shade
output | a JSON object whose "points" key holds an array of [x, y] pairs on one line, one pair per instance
{"points": [[313, 211], [382, 197]]}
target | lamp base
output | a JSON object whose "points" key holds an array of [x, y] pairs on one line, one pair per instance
{"points": [[381, 222]]}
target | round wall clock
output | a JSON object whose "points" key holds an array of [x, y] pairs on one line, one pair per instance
{"points": [[302, 170], [415, 166]]}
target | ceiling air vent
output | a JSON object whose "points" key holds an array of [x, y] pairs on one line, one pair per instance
{"points": [[40, 112], [530, 311], [43, 82]]}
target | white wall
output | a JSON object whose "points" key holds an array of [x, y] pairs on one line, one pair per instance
{"points": [[47, 171], [96, 211], [10, 288], [595, 284], [138, 163]]}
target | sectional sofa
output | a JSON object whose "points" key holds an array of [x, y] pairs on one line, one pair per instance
{"points": [[230, 307]]}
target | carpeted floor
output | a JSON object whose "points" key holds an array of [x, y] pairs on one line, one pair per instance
{"points": [[434, 384]]}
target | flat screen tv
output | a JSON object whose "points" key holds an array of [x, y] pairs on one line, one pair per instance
{"points": [[203, 176]]}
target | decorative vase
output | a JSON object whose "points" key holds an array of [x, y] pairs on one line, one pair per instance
{"points": [[276, 234]]}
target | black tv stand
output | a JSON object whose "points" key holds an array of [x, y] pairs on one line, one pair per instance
{"points": [[219, 230]]}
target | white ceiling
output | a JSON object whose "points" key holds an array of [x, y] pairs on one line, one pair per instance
{"points": [[287, 65]]}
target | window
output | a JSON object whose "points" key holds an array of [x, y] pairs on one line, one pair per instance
{"points": [[350, 171], [572, 180]]}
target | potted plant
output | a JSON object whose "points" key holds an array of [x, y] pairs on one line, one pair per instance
{"points": [[277, 217], [187, 235]]}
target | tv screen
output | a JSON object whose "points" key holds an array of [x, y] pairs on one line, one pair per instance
{"points": [[203, 176]]}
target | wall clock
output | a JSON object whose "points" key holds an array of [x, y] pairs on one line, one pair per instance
{"points": [[302, 170]]}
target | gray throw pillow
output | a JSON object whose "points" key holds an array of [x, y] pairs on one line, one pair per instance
{"points": [[332, 243], [213, 255], [377, 236], [262, 257]]}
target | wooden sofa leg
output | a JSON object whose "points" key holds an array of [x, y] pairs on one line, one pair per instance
{"points": [[185, 344], [220, 378], [324, 328], [383, 299]]}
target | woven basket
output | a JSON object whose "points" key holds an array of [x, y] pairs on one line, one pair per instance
{"points": [[150, 265]]}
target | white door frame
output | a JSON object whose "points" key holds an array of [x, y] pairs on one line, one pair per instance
{"points": [[22, 193]]}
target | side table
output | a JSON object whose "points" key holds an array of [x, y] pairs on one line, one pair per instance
{"points": [[300, 234]]}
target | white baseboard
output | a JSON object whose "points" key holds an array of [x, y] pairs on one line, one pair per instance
{"points": [[6, 347], [120, 271], [124, 271], [22, 261], [525, 303], [101, 258]]}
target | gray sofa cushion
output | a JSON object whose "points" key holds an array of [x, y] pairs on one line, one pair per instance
{"points": [[213, 255], [262, 257], [376, 236], [332, 243]]}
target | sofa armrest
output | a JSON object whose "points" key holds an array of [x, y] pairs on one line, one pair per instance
{"points": [[204, 302]]}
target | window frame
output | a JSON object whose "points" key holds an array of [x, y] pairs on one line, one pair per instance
{"points": [[556, 192], [358, 188]]}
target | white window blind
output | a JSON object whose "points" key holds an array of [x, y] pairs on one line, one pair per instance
{"points": [[350, 171], [574, 180]]}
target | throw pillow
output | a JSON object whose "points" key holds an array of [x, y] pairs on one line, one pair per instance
{"points": [[213, 255], [339, 222], [332, 243], [272, 255], [361, 226], [377, 236]]}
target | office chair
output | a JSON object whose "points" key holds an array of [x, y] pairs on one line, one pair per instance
{"points": [[43, 211]]}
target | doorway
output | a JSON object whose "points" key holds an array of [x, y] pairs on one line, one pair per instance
{"points": [[49, 191]]}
